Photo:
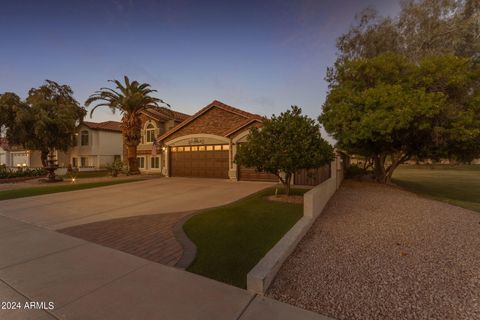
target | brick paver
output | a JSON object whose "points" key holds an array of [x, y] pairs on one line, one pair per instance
{"points": [[150, 237]]}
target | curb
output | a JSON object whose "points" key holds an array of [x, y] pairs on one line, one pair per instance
{"points": [[189, 248]]}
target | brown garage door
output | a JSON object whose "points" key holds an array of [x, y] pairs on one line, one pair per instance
{"points": [[250, 174], [207, 161]]}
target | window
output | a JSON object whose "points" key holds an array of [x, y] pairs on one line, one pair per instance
{"points": [[150, 133], [218, 147], [141, 162], [226, 147], [74, 162], [201, 148], [83, 162], [155, 162], [75, 139], [117, 157], [84, 138], [209, 148]]}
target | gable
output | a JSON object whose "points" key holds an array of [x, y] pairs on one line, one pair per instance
{"points": [[216, 121]]}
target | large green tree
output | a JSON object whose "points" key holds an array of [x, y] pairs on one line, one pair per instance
{"points": [[45, 121], [391, 109], [130, 99], [285, 144], [11, 106], [422, 28]]}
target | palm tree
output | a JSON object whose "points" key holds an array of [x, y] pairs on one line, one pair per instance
{"points": [[130, 99]]}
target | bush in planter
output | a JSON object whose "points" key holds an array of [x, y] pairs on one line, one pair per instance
{"points": [[115, 167]]}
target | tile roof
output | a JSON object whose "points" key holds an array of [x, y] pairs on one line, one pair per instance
{"points": [[166, 113], [215, 103], [240, 126], [106, 126]]}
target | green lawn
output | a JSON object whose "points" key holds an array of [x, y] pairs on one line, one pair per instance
{"points": [[88, 174], [35, 191], [232, 239], [456, 185]]}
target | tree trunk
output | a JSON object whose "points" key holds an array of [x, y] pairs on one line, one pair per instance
{"points": [[395, 163], [384, 175], [132, 159], [288, 178], [44, 157], [379, 166]]}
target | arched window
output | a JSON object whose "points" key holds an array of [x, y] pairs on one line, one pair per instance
{"points": [[150, 133]]}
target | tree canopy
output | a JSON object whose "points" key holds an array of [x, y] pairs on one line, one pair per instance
{"points": [[130, 99], [423, 28], [408, 86], [45, 121], [391, 108], [285, 144]]}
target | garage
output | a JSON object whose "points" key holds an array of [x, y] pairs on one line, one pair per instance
{"points": [[251, 174], [205, 144], [203, 161]]}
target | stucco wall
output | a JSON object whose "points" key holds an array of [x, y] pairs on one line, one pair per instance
{"points": [[102, 147], [262, 275]]}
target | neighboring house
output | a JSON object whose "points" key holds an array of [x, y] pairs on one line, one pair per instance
{"points": [[155, 122], [205, 144], [17, 156], [96, 144]]}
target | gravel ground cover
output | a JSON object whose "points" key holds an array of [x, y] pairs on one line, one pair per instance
{"points": [[378, 252]]}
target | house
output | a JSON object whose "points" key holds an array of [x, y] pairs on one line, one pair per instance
{"points": [[96, 145], [17, 156], [205, 144], [155, 122]]}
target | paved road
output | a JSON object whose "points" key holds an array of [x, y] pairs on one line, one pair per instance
{"points": [[62, 210], [88, 281]]}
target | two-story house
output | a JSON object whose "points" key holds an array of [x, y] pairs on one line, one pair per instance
{"points": [[155, 122], [96, 144]]}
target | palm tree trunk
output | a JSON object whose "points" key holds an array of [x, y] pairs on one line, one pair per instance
{"points": [[132, 159]]}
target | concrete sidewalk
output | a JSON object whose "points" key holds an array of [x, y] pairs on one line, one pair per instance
{"points": [[88, 281]]}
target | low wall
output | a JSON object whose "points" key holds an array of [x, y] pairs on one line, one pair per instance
{"points": [[314, 201]]}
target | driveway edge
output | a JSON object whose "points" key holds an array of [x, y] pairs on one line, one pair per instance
{"points": [[189, 248]]}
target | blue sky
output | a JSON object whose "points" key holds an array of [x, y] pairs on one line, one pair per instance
{"points": [[262, 56]]}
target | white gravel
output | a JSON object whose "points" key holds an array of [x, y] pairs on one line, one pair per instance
{"points": [[378, 252]]}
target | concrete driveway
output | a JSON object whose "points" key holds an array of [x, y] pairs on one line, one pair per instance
{"points": [[156, 196]]}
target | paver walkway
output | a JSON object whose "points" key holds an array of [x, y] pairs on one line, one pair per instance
{"points": [[150, 237], [378, 252], [88, 281]]}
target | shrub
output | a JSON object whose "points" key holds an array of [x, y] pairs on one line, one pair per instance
{"points": [[353, 171], [7, 173], [115, 167]]}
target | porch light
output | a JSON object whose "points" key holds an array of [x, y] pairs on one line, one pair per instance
{"points": [[18, 165], [24, 165]]}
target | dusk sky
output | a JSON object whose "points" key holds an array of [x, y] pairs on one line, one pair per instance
{"points": [[261, 56]]}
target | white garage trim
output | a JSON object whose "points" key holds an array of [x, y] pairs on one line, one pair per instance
{"points": [[198, 136]]}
